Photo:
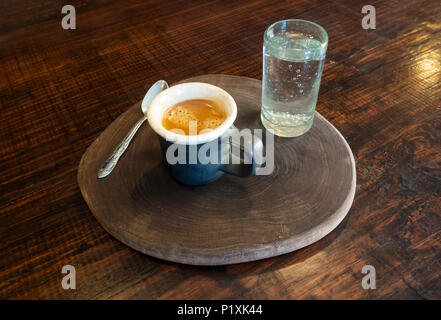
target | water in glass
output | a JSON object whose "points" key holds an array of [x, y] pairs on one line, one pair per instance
{"points": [[292, 68]]}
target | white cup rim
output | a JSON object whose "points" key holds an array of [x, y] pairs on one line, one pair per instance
{"points": [[187, 91]]}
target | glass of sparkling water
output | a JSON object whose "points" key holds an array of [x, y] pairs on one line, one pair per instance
{"points": [[293, 56]]}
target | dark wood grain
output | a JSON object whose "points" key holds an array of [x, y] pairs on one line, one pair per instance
{"points": [[59, 89], [232, 220]]}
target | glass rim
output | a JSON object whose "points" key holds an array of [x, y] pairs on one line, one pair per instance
{"points": [[321, 29]]}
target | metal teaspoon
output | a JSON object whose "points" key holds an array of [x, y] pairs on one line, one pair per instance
{"points": [[111, 162]]}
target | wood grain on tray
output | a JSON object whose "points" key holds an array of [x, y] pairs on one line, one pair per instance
{"points": [[306, 193]]}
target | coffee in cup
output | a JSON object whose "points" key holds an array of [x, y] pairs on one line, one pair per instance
{"points": [[203, 152], [191, 117]]}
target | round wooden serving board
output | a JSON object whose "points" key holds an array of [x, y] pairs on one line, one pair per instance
{"points": [[233, 219]]}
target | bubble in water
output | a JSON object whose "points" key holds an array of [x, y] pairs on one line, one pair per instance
{"points": [[290, 67], [301, 91], [298, 70], [299, 85]]}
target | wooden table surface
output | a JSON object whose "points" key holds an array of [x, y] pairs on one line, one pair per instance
{"points": [[60, 88]]}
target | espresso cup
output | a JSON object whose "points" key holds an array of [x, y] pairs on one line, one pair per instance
{"points": [[202, 158]]}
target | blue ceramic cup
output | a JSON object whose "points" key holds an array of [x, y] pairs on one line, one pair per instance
{"points": [[202, 158]]}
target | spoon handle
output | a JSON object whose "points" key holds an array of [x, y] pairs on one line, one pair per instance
{"points": [[111, 162]]}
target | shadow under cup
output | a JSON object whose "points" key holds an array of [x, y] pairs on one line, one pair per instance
{"points": [[203, 158]]}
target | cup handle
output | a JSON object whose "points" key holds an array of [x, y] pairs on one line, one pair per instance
{"points": [[241, 169]]}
